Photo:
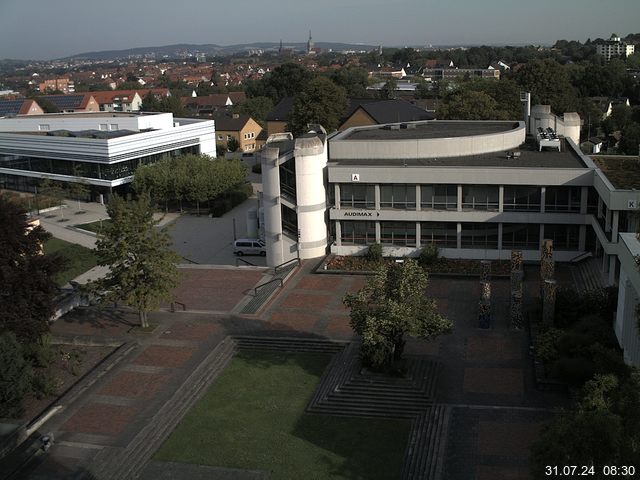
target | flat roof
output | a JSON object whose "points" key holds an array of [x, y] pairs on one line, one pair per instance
{"points": [[430, 129], [529, 157], [623, 171]]}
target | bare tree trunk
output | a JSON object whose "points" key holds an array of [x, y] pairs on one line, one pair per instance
{"points": [[143, 318]]}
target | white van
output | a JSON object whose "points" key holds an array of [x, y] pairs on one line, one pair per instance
{"points": [[249, 246]]}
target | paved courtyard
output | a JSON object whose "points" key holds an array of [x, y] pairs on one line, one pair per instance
{"points": [[487, 380]]}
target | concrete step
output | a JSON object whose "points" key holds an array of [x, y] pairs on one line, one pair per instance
{"points": [[117, 463], [425, 450], [288, 344]]}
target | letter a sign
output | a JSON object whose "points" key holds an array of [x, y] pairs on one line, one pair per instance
{"points": [[355, 177]]}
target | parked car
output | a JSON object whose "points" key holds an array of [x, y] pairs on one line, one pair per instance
{"points": [[249, 246]]}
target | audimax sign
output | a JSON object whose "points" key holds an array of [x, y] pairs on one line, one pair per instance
{"points": [[360, 214]]}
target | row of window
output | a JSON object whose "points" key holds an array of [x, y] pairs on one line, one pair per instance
{"points": [[111, 171], [524, 236], [474, 197]]}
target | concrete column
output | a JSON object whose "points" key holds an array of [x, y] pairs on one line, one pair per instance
{"points": [[338, 233], [543, 197], [336, 189], [582, 238], [376, 189], [541, 234], [271, 205], [458, 234], [607, 221], [584, 197], [600, 203], [459, 199], [500, 202], [612, 269], [499, 237], [615, 221], [418, 242], [378, 233], [418, 198]]}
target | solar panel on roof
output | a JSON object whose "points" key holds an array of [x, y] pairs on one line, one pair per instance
{"points": [[10, 107], [66, 102]]}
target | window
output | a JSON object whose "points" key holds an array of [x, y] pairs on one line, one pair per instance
{"points": [[113, 126], [357, 196], [43, 127], [480, 197], [565, 237], [358, 233], [444, 235], [103, 126], [525, 236], [479, 235], [398, 196], [398, 233], [289, 221], [519, 198], [288, 178], [439, 197], [229, 137], [562, 199]]}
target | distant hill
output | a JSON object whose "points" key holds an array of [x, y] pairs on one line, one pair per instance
{"points": [[181, 50]]}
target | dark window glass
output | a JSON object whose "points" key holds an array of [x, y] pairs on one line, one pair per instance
{"points": [[398, 233], [479, 235], [439, 197], [398, 196], [565, 237], [480, 197], [519, 198], [357, 196], [443, 234], [525, 236], [358, 233]]}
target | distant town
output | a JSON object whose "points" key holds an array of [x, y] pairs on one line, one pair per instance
{"points": [[321, 260]]}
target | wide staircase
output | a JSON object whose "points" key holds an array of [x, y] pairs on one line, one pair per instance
{"points": [[587, 274], [262, 293]]}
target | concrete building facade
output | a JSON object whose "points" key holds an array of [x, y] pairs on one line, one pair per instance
{"points": [[99, 149]]}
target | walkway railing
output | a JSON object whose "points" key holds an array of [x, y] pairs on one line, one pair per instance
{"points": [[255, 290], [282, 265]]}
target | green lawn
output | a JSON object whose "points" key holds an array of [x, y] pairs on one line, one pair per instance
{"points": [[93, 226], [78, 258], [253, 418]]}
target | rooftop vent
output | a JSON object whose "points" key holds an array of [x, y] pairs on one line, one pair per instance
{"points": [[513, 154], [409, 126]]}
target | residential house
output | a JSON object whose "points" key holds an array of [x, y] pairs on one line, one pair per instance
{"points": [[78, 102], [63, 85], [614, 48], [241, 127], [23, 106], [118, 100], [208, 105]]}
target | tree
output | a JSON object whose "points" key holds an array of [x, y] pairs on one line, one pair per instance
{"points": [[391, 305], [142, 266], [27, 289], [322, 101], [285, 80], [354, 80], [549, 84], [388, 90], [15, 376], [233, 145], [469, 105], [257, 108], [53, 191]]}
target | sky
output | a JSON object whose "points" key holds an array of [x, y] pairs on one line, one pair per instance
{"points": [[43, 30]]}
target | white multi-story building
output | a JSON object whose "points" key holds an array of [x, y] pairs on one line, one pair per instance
{"points": [[476, 189], [614, 47], [100, 149]]}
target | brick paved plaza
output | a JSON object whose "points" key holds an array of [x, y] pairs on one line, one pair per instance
{"points": [[486, 379]]}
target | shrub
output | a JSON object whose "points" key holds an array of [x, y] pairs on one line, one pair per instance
{"points": [[374, 253], [428, 255], [597, 329], [546, 344], [573, 370], [15, 376], [44, 384]]}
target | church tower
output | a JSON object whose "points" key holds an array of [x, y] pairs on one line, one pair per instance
{"points": [[310, 44]]}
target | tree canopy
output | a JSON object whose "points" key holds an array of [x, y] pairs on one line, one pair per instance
{"points": [[27, 289], [285, 80], [196, 178], [393, 304], [142, 266], [549, 84], [321, 101]]}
